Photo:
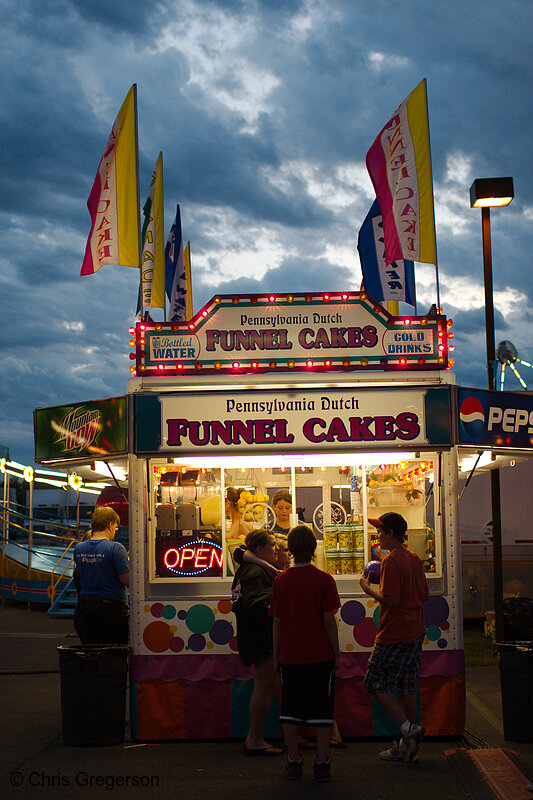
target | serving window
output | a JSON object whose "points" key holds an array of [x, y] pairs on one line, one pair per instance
{"points": [[404, 487], [200, 513]]}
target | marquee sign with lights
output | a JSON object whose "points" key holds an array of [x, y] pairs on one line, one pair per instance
{"points": [[286, 332]]}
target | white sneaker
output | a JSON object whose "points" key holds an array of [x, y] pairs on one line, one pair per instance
{"points": [[394, 753], [410, 742]]}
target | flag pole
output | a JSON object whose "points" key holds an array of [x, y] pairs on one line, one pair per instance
{"points": [[165, 310], [163, 240], [188, 268], [414, 289], [139, 226], [433, 200]]}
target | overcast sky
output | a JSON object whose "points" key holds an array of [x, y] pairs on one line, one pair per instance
{"points": [[264, 111]]}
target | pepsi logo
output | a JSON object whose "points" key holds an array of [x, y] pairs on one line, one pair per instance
{"points": [[472, 417]]}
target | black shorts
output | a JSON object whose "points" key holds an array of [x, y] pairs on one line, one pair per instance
{"points": [[101, 620], [308, 693]]}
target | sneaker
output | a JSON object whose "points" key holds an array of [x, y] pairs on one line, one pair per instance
{"points": [[411, 741], [294, 769], [322, 771], [394, 753]]}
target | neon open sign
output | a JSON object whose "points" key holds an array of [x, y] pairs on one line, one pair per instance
{"points": [[194, 558]]}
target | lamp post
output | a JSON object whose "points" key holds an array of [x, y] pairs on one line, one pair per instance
{"points": [[486, 193]]}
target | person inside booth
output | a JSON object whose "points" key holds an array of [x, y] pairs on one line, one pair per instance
{"points": [[238, 528], [282, 505]]}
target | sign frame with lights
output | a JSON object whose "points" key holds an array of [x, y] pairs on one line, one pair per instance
{"points": [[324, 332]]}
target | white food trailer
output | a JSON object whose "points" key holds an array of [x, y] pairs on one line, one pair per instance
{"points": [[350, 409]]}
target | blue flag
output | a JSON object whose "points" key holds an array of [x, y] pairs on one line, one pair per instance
{"points": [[383, 281], [175, 273]]}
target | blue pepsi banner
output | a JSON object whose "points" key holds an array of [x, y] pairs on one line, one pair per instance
{"points": [[497, 419]]}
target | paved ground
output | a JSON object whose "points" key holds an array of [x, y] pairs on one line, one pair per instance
{"points": [[35, 763]]}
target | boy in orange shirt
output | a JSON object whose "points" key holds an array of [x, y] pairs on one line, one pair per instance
{"points": [[395, 659]]}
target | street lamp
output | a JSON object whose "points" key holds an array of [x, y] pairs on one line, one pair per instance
{"points": [[484, 193]]}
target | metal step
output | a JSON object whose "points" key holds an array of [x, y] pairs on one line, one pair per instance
{"points": [[65, 602], [62, 611]]}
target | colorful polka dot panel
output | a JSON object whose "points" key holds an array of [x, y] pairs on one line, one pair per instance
{"points": [[359, 620], [209, 628], [188, 628]]}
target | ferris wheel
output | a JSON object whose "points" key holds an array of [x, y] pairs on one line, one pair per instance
{"points": [[507, 356]]}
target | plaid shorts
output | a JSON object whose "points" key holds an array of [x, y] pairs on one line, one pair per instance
{"points": [[394, 665]]}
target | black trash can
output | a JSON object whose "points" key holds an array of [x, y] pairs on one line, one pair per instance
{"points": [[518, 619], [93, 693], [516, 675]]}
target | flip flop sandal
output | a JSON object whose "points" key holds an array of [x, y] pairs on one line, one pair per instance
{"points": [[264, 752]]}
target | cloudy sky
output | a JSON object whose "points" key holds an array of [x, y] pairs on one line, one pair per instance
{"points": [[264, 111]]}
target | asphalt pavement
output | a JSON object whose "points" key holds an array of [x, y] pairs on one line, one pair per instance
{"points": [[34, 761]]}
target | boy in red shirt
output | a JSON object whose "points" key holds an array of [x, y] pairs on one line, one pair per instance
{"points": [[306, 650], [395, 659]]}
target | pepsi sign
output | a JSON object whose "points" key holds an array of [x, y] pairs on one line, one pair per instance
{"points": [[497, 419], [472, 416]]}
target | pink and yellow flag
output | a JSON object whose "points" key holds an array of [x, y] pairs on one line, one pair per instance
{"points": [[399, 165], [113, 202]]}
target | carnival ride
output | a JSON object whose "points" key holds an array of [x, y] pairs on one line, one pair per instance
{"points": [[507, 356], [35, 565], [36, 555]]}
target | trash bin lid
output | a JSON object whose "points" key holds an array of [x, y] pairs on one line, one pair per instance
{"points": [[92, 650], [518, 647], [517, 605]]}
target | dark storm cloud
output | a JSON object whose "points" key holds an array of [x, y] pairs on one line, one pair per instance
{"points": [[231, 174], [470, 349], [473, 322], [62, 344], [479, 57], [276, 8], [44, 141], [315, 274], [47, 257], [131, 17], [325, 77]]}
